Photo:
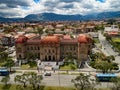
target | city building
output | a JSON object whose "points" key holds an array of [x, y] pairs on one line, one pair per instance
{"points": [[112, 28], [7, 40], [54, 47]]}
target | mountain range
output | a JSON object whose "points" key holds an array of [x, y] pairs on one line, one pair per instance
{"points": [[59, 17]]}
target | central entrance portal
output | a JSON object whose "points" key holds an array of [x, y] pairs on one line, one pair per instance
{"points": [[49, 58]]}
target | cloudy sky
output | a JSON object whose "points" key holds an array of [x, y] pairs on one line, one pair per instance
{"points": [[21, 8]]}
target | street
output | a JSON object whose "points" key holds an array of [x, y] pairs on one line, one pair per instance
{"points": [[107, 48], [57, 79]]}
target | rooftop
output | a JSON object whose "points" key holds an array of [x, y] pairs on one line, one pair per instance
{"points": [[50, 40]]}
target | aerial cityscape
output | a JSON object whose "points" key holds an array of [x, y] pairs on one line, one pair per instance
{"points": [[59, 45]]}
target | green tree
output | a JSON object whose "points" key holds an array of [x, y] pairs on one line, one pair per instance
{"points": [[116, 83], [99, 27], [5, 80], [108, 38], [82, 82], [62, 29], [111, 21], [3, 56], [9, 63], [69, 57], [109, 58], [30, 57], [104, 66], [35, 80], [32, 64], [47, 31], [115, 66], [40, 31], [22, 79]]}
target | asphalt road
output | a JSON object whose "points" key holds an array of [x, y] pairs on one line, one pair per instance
{"points": [[59, 80], [107, 49]]}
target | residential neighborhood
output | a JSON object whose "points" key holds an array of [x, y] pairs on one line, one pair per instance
{"points": [[59, 45], [58, 49]]}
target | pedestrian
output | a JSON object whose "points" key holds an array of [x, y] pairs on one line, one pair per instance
{"points": [[44, 70], [38, 69], [54, 70]]}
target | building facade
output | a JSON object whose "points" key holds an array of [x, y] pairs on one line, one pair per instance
{"points": [[54, 47]]}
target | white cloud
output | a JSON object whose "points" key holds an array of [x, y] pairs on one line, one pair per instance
{"points": [[21, 8]]}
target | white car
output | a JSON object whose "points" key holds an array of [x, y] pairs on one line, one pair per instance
{"points": [[47, 74]]}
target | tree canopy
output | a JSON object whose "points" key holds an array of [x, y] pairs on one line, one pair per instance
{"points": [[83, 82]]}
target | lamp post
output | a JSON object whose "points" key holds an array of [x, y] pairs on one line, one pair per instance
{"points": [[59, 78]]}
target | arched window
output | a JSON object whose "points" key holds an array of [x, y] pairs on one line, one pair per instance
{"points": [[49, 50], [53, 58], [39, 55], [45, 50], [34, 48], [38, 48], [31, 48], [20, 56], [45, 57], [27, 48], [19, 49], [53, 50]]}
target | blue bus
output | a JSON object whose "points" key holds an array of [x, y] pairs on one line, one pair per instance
{"points": [[4, 72], [105, 77]]}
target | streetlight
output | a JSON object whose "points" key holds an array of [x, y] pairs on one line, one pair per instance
{"points": [[59, 78]]}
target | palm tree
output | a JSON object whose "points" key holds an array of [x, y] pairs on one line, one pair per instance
{"points": [[5, 80]]}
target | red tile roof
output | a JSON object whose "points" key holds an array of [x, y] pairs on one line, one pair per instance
{"points": [[67, 37], [21, 39], [50, 40], [82, 38], [112, 33]]}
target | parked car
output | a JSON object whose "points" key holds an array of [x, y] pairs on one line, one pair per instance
{"points": [[47, 74]]}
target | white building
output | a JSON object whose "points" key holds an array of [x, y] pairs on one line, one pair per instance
{"points": [[112, 28]]}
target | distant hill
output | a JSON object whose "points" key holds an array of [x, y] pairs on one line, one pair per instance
{"points": [[53, 17], [101, 16], [59, 17]]}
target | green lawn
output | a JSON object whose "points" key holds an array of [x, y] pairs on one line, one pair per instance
{"points": [[1, 64], [68, 73], [116, 40], [116, 44], [96, 40], [19, 87], [68, 66], [26, 66]]}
